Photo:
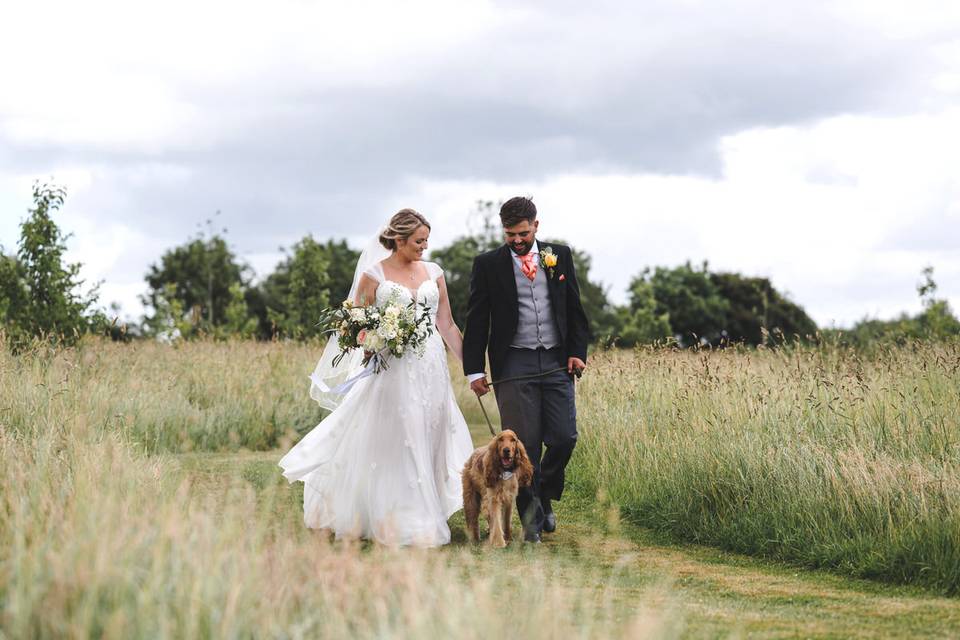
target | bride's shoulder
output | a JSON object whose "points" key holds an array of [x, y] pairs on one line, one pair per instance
{"points": [[434, 270], [375, 271]]}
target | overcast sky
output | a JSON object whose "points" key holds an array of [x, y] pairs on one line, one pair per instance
{"points": [[815, 143]]}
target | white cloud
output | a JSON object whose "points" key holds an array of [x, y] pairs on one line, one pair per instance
{"points": [[113, 74], [905, 19], [821, 210]]}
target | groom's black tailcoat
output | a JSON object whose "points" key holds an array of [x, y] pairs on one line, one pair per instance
{"points": [[494, 310], [541, 410]]}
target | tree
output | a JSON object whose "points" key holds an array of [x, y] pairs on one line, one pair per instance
{"points": [[13, 291], [694, 304], [639, 322], [238, 320], [935, 322], [202, 273], [605, 320], [937, 319], [456, 259], [40, 294], [710, 308], [288, 301], [757, 310], [341, 263], [168, 321], [298, 290]]}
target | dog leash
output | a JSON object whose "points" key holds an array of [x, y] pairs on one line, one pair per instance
{"points": [[531, 376]]}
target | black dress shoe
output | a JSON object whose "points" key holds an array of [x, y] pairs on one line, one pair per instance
{"points": [[549, 518], [550, 522]]}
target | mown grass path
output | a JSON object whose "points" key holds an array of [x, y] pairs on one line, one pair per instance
{"points": [[708, 592]]}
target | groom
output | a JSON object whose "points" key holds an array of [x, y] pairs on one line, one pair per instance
{"points": [[525, 312]]}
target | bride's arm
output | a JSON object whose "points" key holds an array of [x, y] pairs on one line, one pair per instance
{"points": [[366, 291], [445, 325]]}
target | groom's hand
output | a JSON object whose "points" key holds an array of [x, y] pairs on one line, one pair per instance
{"points": [[480, 386], [575, 366]]}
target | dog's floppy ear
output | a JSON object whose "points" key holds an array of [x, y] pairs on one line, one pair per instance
{"points": [[524, 467], [491, 463]]}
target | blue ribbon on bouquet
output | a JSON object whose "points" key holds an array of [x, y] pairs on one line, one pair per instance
{"points": [[346, 385]]}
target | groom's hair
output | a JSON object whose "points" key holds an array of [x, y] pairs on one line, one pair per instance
{"points": [[516, 210]]}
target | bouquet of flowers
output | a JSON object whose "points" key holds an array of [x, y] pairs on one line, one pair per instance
{"points": [[389, 329]]}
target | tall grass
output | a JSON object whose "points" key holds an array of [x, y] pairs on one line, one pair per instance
{"points": [[100, 536], [206, 396], [814, 455]]}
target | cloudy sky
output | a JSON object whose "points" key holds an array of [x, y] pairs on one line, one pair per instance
{"points": [[816, 143]]}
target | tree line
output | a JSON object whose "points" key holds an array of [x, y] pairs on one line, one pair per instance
{"points": [[202, 289]]}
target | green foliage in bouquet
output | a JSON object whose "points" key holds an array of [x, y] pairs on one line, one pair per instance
{"points": [[380, 330]]}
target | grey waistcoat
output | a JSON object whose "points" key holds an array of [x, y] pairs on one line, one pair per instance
{"points": [[536, 326]]}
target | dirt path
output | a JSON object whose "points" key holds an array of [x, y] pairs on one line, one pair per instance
{"points": [[721, 594]]}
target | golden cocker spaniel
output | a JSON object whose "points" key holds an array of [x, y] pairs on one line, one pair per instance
{"points": [[491, 478]]}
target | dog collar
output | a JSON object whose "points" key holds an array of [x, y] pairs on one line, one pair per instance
{"points": [[506, 475]]}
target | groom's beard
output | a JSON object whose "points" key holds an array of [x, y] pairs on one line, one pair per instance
{"points": [[521, 248]]}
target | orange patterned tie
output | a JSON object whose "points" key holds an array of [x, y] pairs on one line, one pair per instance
{"points": [[528, 265]]}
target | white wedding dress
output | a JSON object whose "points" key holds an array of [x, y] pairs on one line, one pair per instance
{"points": [[385, 464]]}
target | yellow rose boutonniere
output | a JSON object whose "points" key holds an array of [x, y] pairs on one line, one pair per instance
{"points": [[549, 260]]}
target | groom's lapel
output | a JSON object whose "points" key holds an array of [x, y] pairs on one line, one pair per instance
{"points": [[505, 270], [551, 281]]}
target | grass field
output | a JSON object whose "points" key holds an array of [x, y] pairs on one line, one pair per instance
{"points": [[816, 456], [139, 497]]}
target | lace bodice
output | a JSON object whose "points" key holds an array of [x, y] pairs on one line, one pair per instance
{"points": [[428, 293]]}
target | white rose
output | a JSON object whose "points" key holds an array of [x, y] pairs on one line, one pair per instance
{"points": [[358, 314], [372, 341], [387, 331]]}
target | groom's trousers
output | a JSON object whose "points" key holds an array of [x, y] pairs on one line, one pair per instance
{"points": [[543, 413]]}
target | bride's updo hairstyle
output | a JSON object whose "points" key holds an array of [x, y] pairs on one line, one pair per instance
{"points": [[401, 226]]}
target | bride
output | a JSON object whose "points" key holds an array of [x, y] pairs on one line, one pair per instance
{"points": [[385, 464]]}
